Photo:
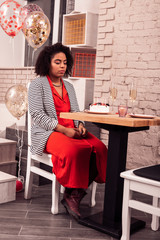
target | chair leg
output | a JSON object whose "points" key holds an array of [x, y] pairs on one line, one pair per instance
{"points": [[155, 219], [55, 195], [126, 211], [62, 189], [29, 178], [93, 194]]}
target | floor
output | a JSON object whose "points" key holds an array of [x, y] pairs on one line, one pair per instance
{"points": [[32, 219]]}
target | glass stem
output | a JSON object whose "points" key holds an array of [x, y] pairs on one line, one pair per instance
{"points": [[112, 105], [132, 107]]}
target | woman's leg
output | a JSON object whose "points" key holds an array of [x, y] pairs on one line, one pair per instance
{"points": [[93, 172], [71, 160], [71, 201], [100, 152]]}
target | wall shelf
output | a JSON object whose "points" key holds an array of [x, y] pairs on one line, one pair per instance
{"points": [[84, 62], [80, 29]]}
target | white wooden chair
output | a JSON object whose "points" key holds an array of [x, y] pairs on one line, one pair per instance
{"points": [[143, 185], [46, 159]]}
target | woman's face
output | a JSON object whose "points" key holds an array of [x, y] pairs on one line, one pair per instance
{"points": [[58, 65]]}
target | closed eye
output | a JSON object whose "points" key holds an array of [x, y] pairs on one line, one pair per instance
{"points": [[59, 62]]}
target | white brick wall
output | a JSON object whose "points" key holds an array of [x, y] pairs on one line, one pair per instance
{"points": [[10, 76], [128, 49]]}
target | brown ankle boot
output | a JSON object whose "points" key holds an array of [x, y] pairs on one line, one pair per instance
{"points": [[71, 202], [81, 194]]}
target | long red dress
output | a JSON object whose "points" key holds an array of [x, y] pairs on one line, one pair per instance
{"points": [[71, 157]]}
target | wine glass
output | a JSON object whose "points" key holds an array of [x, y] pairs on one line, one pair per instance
{"points": [[113, 93], [133, 93]]}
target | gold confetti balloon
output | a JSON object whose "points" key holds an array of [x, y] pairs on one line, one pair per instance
{"points": [[16, 100], [36, 29]]}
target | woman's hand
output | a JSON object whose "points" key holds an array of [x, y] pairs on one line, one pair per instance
{"points": [[82, 130], [79, 132], [69, 132], [72, 132]]}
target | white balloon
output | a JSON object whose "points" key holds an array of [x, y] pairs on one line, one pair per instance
{"points": [[16, 100]]}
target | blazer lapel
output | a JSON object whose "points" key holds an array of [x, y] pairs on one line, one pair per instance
{"points": [[67, 86], [48, 98]]}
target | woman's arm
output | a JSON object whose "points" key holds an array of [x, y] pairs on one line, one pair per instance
{"points": [[36, 107]]}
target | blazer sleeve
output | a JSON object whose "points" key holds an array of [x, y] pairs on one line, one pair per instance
{"points": [[36, 107]]}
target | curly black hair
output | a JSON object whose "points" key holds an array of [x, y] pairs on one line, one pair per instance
{"points": [[43, 62]]}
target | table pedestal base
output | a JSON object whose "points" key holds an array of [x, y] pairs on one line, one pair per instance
{"points": [[96, 222]]}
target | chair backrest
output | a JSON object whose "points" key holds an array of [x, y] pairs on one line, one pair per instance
{"points": [[29, 127], [45, 158], [29, 122]]}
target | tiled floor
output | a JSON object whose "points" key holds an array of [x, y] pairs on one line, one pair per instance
{"points": [[32, 219]]}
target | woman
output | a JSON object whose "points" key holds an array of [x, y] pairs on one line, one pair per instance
{"points": [[78, 156]]}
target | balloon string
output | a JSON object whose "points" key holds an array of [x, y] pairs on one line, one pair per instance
{"points": [[13, 58], [33, 59], [20, 146], [28, 64]]}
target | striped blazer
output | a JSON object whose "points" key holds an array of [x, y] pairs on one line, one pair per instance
{"points": [[43, 112]]}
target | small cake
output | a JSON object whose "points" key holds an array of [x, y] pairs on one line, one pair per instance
{"points": [[99, 107]]}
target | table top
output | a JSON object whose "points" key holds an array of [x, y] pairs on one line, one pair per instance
{"points": [[112, 119]]}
